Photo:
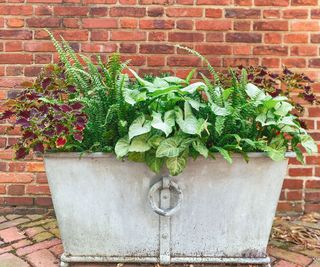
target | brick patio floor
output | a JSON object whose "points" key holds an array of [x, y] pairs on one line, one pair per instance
{"points": [[34, 240]]}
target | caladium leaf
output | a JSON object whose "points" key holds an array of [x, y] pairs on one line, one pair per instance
{"points": [[308, 143], [122, 147], [283, 108], [139, 144], [219, 111], [160, 83], [139, 126], [155, 140], [176, 165], [172, 79], [254, 92], [166, 124], [199, 146], [154, 163], [136, 156], [134, 96], [169, 147], [193, 87]]}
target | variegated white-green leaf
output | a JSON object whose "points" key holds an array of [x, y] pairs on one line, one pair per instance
{"points": [[283, 108], [219, 111], [172, 79], [200, 147], [254, 92], [139, 126], [308, 143], [134, 96], [122, 147], [154, 163], [176, 165], [155, 140], [193, 87], [160, 83], [166, 124], [169, 147], [139, 144]]}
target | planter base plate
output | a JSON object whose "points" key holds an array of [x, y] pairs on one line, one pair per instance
{"points": [[66, 259]]}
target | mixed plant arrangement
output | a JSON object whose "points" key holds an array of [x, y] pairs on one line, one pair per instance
{"points": [[84, 105]]}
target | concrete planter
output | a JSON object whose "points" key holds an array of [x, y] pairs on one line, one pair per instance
{"points": [[214, 212]]}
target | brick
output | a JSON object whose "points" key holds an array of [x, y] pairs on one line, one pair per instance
{"points": [[289, 207], [39, 47], [156, 24], [156, 36], [307, 26], [271, 3], [271, 14], [214, 37], [313, 184], [155, 61], [99, 35], [314, 111], [99, 11], [99, 23], [314, 63], [128, 23], [43, 10], [290, 256], [312, 196], [294, 62], [184, 24], [304, 50], [13, 46], [8, 259], [241, 13], [283, 263], [271, 50], [315, 13], [271, 62], [128, 36], [243, 2], [128, 48], [155, 11], [242, 50], [184, 12], [16, 10], [184, 61], [295, 13], [18, 201], [272, 38], [242, 25], [15, 59], [71, 23], [43, 22], [15, 23], [68, 35], [214, 49], [42, 258], [57, 250], [234, 62], [16, 177], [156, 49], [312, 208], [15, 34], [304, 2], [127, 12], [294, 195], [16, 189], [296, 38], [11, 234], [38, 246], [43, 201], [185, 37], [243, 37], [213, 13], [271, 25], [300, 171], [70, 11], [38, 189], [98, 48], [214, 25], [292, 184], [213, 2]]}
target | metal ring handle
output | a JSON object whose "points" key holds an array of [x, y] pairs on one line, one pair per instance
{"points": [[165, 183]]}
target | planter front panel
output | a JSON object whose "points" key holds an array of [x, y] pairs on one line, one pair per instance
{"points": [[102, 207], [103, 211]]}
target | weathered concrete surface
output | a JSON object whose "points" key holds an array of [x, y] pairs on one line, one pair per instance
{"points": [[28, 251]]}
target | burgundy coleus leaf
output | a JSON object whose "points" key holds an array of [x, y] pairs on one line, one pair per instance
{"points": [[49, 132], [29, 135], [38, 147], [32, 96], [23, 122], [286, 71], [309, 97], [6, 115], [21, 153], [25, 114], [61, 141], [274, 75], [45, 83], [78, 136], [76, 105], [44, 109], [250, 76], [79, 126], [57, 117], [71, 88], [275, 93], [65, 108], [60, 129]]}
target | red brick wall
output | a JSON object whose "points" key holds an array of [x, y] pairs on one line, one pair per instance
{"points": [[228, 32]]}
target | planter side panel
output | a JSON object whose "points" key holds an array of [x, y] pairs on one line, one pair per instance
{"points": [[227, 209], [102, 208]]}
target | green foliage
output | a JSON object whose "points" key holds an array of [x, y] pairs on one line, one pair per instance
{"points": [[163, 121]]}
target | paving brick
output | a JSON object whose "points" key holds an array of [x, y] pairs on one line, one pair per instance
{"points": [[13, 216], [57, 250], [36, 223], [10, 260], [15, 222], [11, 234], [30, 232], [42, 258], [21, 244], [289, 256], [5, 249], [283, 263], [315, 263], [42, 236], [38, 246], [2, 219]]}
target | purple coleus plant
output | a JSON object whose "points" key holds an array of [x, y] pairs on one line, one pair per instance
{"points": [[49, 116]]}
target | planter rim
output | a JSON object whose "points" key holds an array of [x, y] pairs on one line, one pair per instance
{"points": [[111, 155]]}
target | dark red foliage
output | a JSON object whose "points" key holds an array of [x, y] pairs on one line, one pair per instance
{"points": [[47, 114]]}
